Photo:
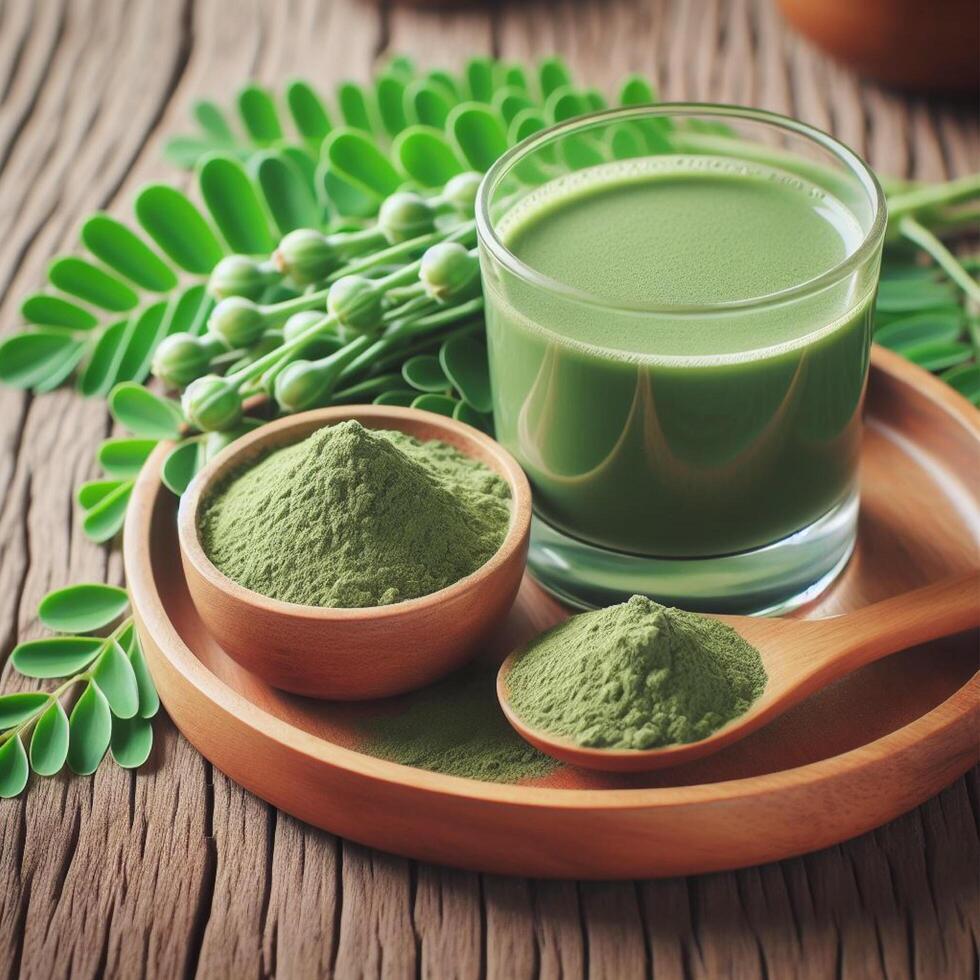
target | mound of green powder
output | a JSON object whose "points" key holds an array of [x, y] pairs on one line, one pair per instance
{"points": [[635, 676], [355, 517], [456, 727]]}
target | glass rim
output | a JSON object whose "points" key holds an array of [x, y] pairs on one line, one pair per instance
{"points": [[856, 166]]}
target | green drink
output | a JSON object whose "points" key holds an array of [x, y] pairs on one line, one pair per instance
{"points": [[679, 348]]}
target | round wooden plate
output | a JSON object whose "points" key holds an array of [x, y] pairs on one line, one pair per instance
{"points": [[844, 761]]}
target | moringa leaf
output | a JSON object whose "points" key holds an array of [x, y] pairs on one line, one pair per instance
{"points": [[105, 520], [440, 404], [424, 372], [100, 371], [258, 115], [181, 465], [148, 697], [478, 134], [15, 708], [937, 356], [61, 369], [44, 310], [211, 119], [464, 362], [92, 284], [353, 106], [348, 198], [552, 74], [178, 228], [91, 492], [124, 458], [359, 160], [27, 359], [509, 101], [565, 103], [964, 378], [401, 396], [55, 656], [131, 742], [145, 414], [514, 76], [234, 205], [191, 311], [13, 768], [287, 193], [308, 112], [426, 156], [185, 151], [139, 340], [594, 100], [123, 250], [909, 296], [82, 608], [117, 681], [478, 73], [910, 331], [49, 743], [389, 93], [445, 81], [427, 104], [636, 90], [89, 728]]}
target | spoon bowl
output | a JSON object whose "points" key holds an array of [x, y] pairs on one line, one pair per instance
{"points": [[800, 657], [354, 654]]}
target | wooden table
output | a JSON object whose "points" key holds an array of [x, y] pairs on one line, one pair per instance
{"points": [[175, 869]]}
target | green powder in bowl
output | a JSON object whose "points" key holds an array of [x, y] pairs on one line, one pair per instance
{"points": [[635, 676], [354, 517]]}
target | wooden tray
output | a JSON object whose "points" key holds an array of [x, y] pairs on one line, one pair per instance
{"points": [[846, 760]]}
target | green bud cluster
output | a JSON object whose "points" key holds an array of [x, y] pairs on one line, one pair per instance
{"points": [[405, 215], [357, 304], [306, 256], [237, 321], [301, 385], [181, 358], [212, 403], [450, 273]]}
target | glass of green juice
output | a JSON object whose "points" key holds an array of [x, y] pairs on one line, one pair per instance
{"points": [[679, 305]]}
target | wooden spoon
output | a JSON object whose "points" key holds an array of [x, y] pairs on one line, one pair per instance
{"points": [[800, 657]]}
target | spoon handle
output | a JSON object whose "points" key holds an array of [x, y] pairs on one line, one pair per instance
{"points": [[903, 621]]}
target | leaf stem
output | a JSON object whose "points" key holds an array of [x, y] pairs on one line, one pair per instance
{"points": [[928, 242], [933, 195]]}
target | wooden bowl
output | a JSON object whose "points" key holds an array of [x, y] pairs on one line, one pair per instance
{"points": [[354, 654]]}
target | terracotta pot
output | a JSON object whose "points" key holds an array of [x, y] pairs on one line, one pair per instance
{"points": [[923, 45]]}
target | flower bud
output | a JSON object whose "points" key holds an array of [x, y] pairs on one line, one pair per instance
{"points": [[237, 275], [305, 256], [237, 321], [450, 273], [356, 303], [405, 215], [460, 192], [299, 323], [180, 358], [301, 385], [212, 403]]}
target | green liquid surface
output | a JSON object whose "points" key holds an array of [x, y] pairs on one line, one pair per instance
{"points": [[646, 422]]}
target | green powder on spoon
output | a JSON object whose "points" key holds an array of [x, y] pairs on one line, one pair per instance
{"points": [[635, 676], [352, 517]]}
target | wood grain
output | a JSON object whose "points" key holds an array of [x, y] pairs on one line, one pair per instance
{"points": [[83, 114]]}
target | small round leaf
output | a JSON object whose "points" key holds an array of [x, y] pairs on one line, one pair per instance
{"points": [[100, 371], [308, 112], [92, 284], [132, 741], [403, 397], [234, 204], [478, 134], [426, 156], [259, 115], [55, 656], [117, 681], [44, 310], [13, 768], [91, 492], [28, 359], [15, 708], [441, 404], [181, 465], [124, 458], [90, 728], [465, 413], [353, 106], [82, 608], [425, 373], [144, 413], [105, 520], [178, 228], [356, 156], [49, 743], [287, 193], [464, 361], [148, 697], [123, 250]]}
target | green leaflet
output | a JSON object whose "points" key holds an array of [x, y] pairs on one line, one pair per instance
{"points": [[178, 228], [105, 520], [123, 250], [180, 466], [425, 155], [427, 104], [55, 656], [49, 742], [131, 741], [15, 708], [389, 92], [143, 413], [288, 195], [149, 700], [53, 311], [82, 608], [308, 112], [234, 205], [91, 284], [124, 458], [90, 728], [258, 115], [440, 404], [27, 359], [466, 413], [354, 156], [114, 675], [425, 373], [13, 768], [464, 363], [353, 106], [90, 493], [478, 134]]}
